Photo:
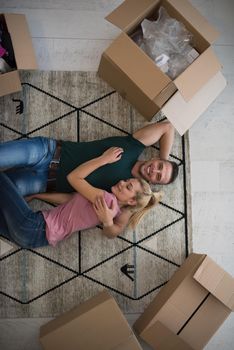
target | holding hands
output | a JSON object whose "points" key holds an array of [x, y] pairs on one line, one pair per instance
{"points": [[112, 155]]}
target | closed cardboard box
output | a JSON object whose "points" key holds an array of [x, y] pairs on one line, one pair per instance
{"points": [[136, 77], [16, 26], [191, 307], [96, 324]]}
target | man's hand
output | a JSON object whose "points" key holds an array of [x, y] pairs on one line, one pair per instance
{"points": [[104, 214], [112, 155]]}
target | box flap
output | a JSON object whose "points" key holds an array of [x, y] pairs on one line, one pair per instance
{"points": [[197, 74], [183, 114], [130, 344], [194, 17], [80, 328], [130, 12], [168, 301], [9, 83], [217, 281], [21, 41], [162, 338], [130, 59], [116, 78], [204, 323]]}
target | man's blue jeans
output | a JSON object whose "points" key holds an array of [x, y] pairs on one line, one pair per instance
{"points": [[18, 222], [26, 162]]}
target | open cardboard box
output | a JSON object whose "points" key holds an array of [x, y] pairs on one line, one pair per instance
{"points": [[95, 324], [17, 27], [136, 77], [190, 308]]}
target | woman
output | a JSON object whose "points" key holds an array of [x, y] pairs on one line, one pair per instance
{"points": [[127, 203]]}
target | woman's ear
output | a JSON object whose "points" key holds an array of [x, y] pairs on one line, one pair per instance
{"points": [[132, 201]]}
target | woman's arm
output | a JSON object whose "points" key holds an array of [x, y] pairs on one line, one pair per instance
{"points": [[77, 177], [53, 198], [112, 227], [118, 225]]}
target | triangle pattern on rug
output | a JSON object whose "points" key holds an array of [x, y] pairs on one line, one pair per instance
{"points": [[79, 106], [155, 221], [169, 243], [6, 247], [110, 109], [92, 127], [106, 249], [31, 283], [110, 275]]}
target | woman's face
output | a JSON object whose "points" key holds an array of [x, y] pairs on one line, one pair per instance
{"points": [[126, 191]]}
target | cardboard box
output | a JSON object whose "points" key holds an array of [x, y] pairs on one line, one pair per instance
{"points": [[136, 77], [162, 338], [96, 324], [21, 40], [191, 307]]}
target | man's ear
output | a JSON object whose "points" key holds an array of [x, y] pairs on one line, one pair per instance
{"points": [[132, 201]]}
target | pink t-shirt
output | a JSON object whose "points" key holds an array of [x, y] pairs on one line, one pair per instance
{"points": [[74, 215]]}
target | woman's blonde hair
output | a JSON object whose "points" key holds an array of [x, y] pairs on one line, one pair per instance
{"points": [[146, 200]]}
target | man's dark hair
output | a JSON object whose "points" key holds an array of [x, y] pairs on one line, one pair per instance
{"points": [[174, 173]]}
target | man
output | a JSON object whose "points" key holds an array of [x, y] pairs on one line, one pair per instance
{"points": [[41, 164]]}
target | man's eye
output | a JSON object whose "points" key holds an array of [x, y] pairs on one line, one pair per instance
{"points": [[160, 166]]}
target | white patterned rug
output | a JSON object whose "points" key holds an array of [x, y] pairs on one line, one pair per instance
{"points": [[45, 282]]}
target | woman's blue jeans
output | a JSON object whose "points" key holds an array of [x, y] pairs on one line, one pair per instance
{"points": [[26, 162], [18, 222]]}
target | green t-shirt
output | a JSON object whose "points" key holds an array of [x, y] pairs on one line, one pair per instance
{"points": [[76, 153]]}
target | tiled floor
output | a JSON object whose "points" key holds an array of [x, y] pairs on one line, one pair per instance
{"points": [[71, 35]]}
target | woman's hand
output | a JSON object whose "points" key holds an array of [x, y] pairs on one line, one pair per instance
{"points": [[104, 214], [112, 154], [29, 198]]}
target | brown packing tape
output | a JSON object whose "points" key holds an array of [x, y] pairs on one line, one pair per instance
{"points": [[165, 94]]}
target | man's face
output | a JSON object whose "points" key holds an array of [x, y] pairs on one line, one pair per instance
{"points": [[156, 171]]}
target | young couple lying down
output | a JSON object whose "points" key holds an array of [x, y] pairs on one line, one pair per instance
{"points": [[25, 166]]}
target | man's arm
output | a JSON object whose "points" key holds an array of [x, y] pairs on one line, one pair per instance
{"points": [[162, 132]]}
